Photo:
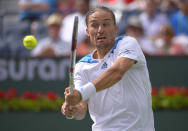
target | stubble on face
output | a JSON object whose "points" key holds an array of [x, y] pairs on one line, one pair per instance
{"points": [[101, 30]]}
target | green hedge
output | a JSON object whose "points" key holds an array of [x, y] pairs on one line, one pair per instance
{"points": [[173, 98]]}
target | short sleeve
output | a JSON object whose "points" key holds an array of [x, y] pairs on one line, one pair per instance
{"points": [[129, 48]]}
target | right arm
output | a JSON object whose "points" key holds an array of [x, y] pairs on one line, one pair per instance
{"points": [[78, 110]]}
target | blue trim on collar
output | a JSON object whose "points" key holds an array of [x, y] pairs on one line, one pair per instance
{"points": [[88, 59], [116, 43]]}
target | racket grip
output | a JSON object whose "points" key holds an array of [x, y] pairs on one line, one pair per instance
{"points": [[71, 88]]}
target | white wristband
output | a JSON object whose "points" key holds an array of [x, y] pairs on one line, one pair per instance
{"points": [[87, 91]]}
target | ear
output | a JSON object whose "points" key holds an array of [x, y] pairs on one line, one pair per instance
{"points": [[87, 31]]}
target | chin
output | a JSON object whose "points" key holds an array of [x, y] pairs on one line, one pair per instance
{"points": [[102, 45]]}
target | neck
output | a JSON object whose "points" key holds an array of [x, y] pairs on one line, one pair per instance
{"points": [[100, 53]]}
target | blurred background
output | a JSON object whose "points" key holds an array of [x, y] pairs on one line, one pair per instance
{"points": [[32, 82]]}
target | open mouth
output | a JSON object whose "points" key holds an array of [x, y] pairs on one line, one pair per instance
{"points": [[101, 38]]}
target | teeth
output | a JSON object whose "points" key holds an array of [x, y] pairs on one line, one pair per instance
{"points": [[101, 38]]}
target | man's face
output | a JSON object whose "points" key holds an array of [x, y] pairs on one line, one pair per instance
{"points": [[150, 7], [101, 29], [53, 31]]}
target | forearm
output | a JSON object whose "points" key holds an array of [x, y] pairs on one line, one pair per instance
{"points": [[81, 112], [113, 74], [106, 80]]}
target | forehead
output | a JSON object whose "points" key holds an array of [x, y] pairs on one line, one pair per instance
{"points": [[100, 15]]}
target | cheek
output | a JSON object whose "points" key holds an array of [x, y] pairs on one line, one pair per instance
{"points": [[91, 33], [112, 33]]}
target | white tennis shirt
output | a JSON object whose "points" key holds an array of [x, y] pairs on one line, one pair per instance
{"points": [[127, 105]]}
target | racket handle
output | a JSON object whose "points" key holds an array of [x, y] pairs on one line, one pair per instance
{"points": [[71, 88]]}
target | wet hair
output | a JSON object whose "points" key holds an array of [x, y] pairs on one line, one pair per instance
{"points": [[98, 8]]}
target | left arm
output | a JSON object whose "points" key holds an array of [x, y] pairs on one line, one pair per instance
{"points": [[78, 111], [113, 74]]}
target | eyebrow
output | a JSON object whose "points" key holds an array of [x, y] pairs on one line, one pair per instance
{"points": [[107, 19]]}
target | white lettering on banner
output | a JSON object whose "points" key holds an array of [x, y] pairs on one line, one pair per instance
{"points": [[3, 71], [47, 70], [30, 69], [32, 65], [14, 73]]}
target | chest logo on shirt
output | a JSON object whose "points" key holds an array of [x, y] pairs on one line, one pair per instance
{"points": [[104, 66]]}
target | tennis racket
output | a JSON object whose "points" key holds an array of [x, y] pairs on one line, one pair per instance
{"points": [[73, 58], [73, 54]]}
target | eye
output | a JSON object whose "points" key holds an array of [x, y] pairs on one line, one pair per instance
{"points": [[94, 25], [106, 24]]}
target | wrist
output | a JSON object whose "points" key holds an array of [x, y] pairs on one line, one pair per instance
{"points": [[87, 91]]}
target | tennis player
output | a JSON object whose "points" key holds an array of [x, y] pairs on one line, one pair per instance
{"points": [[113, 81]]}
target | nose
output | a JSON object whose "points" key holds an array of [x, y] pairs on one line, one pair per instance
{"points": [[100, 29]]}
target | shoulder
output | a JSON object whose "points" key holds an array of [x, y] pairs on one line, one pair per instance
{"points": [[125, 41], [121, 39], [124, 38], [126, 44]]}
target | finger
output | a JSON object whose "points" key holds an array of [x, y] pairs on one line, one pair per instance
{"points": [[69, 115], [69, 112], [67, 90], [63, 109], [68, 95], [66, 106], [74, 110]]}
